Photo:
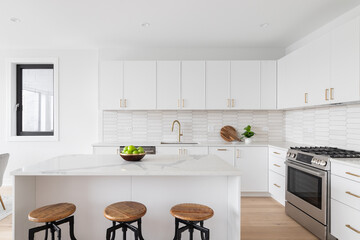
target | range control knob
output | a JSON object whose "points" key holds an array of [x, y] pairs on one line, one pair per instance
{"points": [[323, 163], [288, 154], [293, 155]]}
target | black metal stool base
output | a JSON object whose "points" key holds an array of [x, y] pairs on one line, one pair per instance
{"points": [[110, 233], [190, 225], [53, 226]]}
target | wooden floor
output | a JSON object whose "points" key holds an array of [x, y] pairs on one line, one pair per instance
{"points": [[261, 219], [265, 219]]}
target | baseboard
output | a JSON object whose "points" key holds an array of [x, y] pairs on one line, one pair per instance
{"points": [[255, 194]]}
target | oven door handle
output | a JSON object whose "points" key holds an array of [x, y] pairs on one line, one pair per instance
{"points": [[306, 169]]}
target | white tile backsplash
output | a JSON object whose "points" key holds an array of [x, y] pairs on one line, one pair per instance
{"points": [[337, 126], [196, 125]]}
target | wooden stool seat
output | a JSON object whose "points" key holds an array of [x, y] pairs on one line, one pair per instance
{"points": [[52, 213], [125, 211], [192, 212]]}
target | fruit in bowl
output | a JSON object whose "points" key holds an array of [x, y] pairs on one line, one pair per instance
{"points": [[131, 153]]}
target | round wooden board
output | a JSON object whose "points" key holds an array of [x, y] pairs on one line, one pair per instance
{"points": [[229, 134]]}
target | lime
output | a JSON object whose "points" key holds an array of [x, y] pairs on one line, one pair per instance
{"points": [[126, 148], [125, 152], [136, 152], [129, 152], [131, 148]]}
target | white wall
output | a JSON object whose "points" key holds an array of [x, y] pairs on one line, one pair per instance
{"points": [[78, 104]]}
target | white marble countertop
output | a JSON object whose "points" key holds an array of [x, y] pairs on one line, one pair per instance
{"points": [[352, 162], [284, 145], [114, 165]]}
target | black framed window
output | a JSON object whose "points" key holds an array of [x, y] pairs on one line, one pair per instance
{"points": [[35, 99]]}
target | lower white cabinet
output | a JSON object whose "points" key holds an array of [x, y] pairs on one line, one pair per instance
{"points": [[106, 150], [253, 161], [277, 187], [182, 150], [168, 150], [345, 223], [225, 153]]}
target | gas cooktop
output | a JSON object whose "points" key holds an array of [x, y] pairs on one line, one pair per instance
{"points": [[329, 152]]}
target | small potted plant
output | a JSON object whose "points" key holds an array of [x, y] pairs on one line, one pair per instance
{"points": [[248, 134]]}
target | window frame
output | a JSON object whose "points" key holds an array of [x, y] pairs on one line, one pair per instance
{"points": [[11, 105], [19, 98]]}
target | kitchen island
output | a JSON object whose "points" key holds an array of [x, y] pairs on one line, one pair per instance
{"points": [[92, 182]]}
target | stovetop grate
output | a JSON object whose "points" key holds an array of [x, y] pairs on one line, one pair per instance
{"points": [[329, 151]]}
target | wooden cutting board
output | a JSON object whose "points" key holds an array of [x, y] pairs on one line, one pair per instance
{"points": [[229, 134]]}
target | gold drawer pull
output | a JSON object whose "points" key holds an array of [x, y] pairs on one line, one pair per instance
{"points": [[276, 153], [222, 149], [276, 185], [350, 227], [306, 97], [232, 102], [326, 94], [352, 174], [331, 93], [352, 194], [276, 165]]}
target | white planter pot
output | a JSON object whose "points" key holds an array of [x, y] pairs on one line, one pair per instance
{"points": [[248, 140]]}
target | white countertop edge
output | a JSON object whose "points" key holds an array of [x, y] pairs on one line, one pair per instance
{"points": [[348, 162]]}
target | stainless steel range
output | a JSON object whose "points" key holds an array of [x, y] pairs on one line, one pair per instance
{"points": [[308, 186]]}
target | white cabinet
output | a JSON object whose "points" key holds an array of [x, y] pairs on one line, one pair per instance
{"points": [[106, 150], [195, 150], [111, 85], [345, 224], [140, 84], [168, 84], [180, 150], [254, 163], [245, 84], [168, 150], [193, 84], [218, 85], [277, 157], [345, 63], [268, 85], [225, 153]]}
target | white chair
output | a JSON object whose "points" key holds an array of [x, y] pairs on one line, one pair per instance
{"points": [[4, 158]]}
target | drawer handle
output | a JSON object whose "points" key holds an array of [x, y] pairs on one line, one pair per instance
{"points": [[276, 153], [276, 165], [222, 149], [352, 194], [276, 185], [350, 227], [352, 174]]}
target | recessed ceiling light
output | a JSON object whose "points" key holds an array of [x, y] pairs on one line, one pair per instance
{"points": [[146, 24], [15, 20], [264, 25]]}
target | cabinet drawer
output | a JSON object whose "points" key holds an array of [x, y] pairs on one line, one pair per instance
{"points": [[345, 191], [345, 171], [225, 153], [277, 165], [277, 152], [345, 224], [106, 150], [277, 187]]}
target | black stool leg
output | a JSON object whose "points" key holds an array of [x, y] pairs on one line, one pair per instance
{"points": [[176, 237], [113, 233], [57, 229], [31, 234], [46, 231], [202, 232], [207, 234], [124, 232], [71, 228], [140, 230], [108, 234], [52, 234], [191, 232]]}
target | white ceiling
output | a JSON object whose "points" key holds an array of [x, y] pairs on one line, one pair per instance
{"points": [[174, 23]]}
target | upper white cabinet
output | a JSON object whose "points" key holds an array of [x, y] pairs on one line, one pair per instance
{"points": [[168, 84], [245, 84], [111, 85], [218, 85], [345, 64], [268, 73], [193, 84], [140, 84]]}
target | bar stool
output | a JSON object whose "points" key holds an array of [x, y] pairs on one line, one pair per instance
{"points": [[53, 216], [125, 213], [191, 215]]}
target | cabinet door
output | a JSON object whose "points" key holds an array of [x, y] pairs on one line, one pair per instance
{"points": [[168, 150], [284, 86], [245, 84], [106, 150], [225, 153], [168, 84], [193, 84], [318, 61], [253, 163], [345, 62], [111, 85], [268, 85], [195, 151], [218, 85], [140, 84]]}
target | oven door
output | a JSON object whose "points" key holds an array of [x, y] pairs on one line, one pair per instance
{"points": [[306, 189]]}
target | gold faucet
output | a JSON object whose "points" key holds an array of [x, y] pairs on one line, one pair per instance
{"points": [[172, 128]]}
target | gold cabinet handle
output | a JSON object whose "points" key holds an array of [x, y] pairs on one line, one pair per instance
{"points": [[276, 165], [232, 102], [276, 153], [124, 102], [306, 97], [221, 149], [121, 103], [352, 174], [276, 185], [228, 103], [352, 194], [326, 94], [183, 103], [331, 93], [350, 227], [237, 153]]}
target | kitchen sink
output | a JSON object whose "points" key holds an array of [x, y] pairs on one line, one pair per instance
{"points": [[179, 143]]}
